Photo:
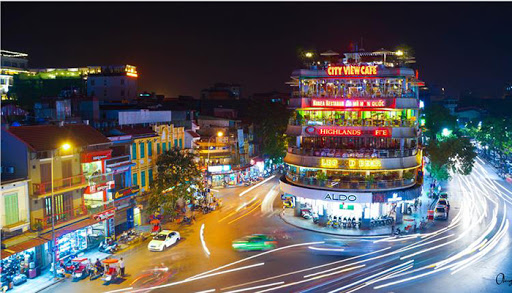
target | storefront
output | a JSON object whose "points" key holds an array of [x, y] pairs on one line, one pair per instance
{"points": [[364, 205], [124, 203]]}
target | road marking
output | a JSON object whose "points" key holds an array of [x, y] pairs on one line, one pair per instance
{"points": [[201, 236], [246, 214], [244, 192], [255, 287]]}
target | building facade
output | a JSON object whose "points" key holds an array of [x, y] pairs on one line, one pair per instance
{"points": [[356, 152]]}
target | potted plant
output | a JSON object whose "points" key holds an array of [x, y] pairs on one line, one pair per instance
{"points": [[38, 226], [321, 177], [370, 179]]}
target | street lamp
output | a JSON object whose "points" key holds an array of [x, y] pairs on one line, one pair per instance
{"points": [[446, 132], [399, 53], [65, 147], [308, 55]]}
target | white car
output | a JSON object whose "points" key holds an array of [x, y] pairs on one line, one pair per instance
{"points": [[440, 213], [163, 240]]}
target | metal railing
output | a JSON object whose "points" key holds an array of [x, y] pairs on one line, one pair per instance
{"points": [[46, 221], [59, 184], [351, 183], [352, 153], [101, 178]]}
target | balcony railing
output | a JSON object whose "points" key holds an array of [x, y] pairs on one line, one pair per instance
{"points": [[356, 122], [101, 178], [94, 207], [46, 222], [351, 184], [352, 153], [59, 184]]}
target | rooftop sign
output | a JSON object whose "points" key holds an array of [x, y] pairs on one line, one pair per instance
{"points": [[351, 70], [352, 103]]}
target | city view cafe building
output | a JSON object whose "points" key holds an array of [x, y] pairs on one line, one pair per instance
{"points": [[364, 200]]}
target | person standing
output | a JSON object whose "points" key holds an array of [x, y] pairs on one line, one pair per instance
{"points": [[121, 266]]}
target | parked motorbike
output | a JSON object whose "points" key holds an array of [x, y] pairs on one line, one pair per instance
{"points": [[108, 246], [81, 269]]}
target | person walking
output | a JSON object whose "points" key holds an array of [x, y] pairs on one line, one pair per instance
{"points": [[121, 266], [393, 228]]}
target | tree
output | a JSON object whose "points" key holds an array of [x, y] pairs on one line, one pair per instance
{"points": [[271, 120], [455, 154], [178, 178], [438, 118]]}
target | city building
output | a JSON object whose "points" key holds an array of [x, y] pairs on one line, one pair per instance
{"points": [[273, 97], [14, 205], [355, 126], [113, 84], [13, 63], [66, 168]]}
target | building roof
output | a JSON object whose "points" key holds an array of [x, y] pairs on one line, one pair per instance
{"points": [[193, 133], [135, 130], [51, 137]]}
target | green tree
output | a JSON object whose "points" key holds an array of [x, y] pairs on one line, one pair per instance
{"points": [[271, 120], [436, 119], [178, 178], [455, 154]]}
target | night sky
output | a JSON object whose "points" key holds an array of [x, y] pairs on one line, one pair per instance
{"points": [[181, 48]]}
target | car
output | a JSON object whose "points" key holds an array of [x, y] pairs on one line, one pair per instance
{"points": [[443, 195], [163, 240], [440, 213], [443, 203], [254, 242]]}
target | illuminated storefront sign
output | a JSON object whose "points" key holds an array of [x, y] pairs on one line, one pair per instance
{"points": [[340, 197], [347, 131], [364, 164], [221, 168], [125, 192], [108, 214], [96, 156], [352, 103], [351, 70], [328, 163]]}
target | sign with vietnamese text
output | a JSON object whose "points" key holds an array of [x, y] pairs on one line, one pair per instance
{"points": [[352, 103]]}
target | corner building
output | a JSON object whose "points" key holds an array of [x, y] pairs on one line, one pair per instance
{"points": [[356, 152]]}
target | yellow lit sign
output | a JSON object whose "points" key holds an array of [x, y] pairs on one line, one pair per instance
{"points": [[364, 164], [328, 163]]}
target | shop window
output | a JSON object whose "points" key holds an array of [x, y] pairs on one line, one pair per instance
{"points": [[134, 179], [141, 148], [134, 151], [143, 178], [150, 149]]}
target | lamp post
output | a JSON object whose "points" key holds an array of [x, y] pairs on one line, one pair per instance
{"points": [[65, 146]]}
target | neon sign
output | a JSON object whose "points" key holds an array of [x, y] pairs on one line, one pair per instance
{"points": [[364, 163], [352, 103], [328, 163], [351, 70], [347, 131]]}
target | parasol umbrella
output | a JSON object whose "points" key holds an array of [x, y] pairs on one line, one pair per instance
{"points": [[110, 261], [154, 222]]}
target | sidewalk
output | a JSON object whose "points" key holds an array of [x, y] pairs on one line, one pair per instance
{"points": [[46, 279]]}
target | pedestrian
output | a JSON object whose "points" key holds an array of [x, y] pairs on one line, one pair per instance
{"points": [[121, 266], [393, 228]]}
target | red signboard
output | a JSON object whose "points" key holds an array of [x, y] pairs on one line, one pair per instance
{"points": [[96, 156], [108, 214], [352, 103], [347, 131], [351, 70]]}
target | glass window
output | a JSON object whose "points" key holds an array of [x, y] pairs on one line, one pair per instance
{"points": [[143, 178], [150, 150], [135, 179], [163, 147], [141, 147], [170, 145], [134, 151], [181, 143], [157, 148], [150, 175], [175, 143]]}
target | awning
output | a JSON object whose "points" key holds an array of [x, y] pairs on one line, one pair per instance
{"points": [[33, 242]]}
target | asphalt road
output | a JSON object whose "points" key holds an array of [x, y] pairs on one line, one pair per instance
{"points": [[465, 256]]}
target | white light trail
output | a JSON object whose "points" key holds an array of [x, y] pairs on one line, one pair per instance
{"points": [[206, 291], [201, 236], [251, 188], [256, 287]]}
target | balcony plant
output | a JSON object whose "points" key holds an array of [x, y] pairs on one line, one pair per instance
{"points": [[370, 179], [321, 178], [38, 226]]}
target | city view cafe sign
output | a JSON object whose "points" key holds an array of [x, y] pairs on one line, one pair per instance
{"points": [[347, 131], [351, 70]]}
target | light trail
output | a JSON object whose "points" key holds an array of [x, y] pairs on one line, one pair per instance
{"points": [[267, 204], [244, 215], [254, 256], [255, 186], [255, 287], [201, 236], [206, 291], [326, 249]]}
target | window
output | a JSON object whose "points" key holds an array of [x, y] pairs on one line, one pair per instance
{"points": [[105, 82], [134, 179], [105, 92], [11, 208], [141, 147], [134, 151], [143, 178], [157, 148], [150, 149], [175, 142], [169, 145], [150, 175], [163, 147], [181, 143]]}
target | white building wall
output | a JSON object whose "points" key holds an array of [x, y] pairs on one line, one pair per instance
{"points": [[144, 116], [21, 188]]}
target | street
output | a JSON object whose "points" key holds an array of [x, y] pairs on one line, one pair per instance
{"points": [[465, 256]]}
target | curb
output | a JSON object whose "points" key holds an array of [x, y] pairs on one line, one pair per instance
{"points": [[49, 285], [329, 233]]}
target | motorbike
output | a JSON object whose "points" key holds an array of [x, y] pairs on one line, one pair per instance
{"points": [[65, 268], [108, 246], [96, 272], [315, 218]]}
